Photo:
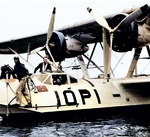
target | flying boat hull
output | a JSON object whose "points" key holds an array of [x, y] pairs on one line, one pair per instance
{"points": [[72, 98]]}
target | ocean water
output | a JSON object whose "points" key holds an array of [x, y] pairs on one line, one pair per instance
{"points": [[111, 126]]}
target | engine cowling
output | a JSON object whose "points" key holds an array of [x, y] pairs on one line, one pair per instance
{"points": [[57, 46], [125, 38], [62, 47], [75, 47]]}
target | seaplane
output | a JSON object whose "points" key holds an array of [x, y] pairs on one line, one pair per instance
{"points": [[57, 95]]}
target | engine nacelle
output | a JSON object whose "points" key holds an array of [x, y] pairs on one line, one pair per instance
{"points": [[62, 47], [57, 46], [125, 38], [75, 47]]}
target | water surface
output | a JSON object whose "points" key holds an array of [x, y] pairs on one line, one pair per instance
{"points": [[112, 126]]}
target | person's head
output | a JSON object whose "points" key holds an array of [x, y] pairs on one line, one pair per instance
{"points": [[16, 59], [45, 59]]}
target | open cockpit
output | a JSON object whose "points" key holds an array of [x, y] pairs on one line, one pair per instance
{"points": [[54, 78]]}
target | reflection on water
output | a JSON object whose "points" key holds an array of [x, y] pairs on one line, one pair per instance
{"points": [[111, 126]]}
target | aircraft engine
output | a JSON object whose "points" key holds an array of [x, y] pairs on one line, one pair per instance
{"points": [[62, 47], [75, 47], [57, 46], [125, 38]]}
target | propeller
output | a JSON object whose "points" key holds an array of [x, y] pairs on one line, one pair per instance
{"points": [[129, 19], [99, 19], [36, 50], [126, 21], [51, 25], [49, 34], [102, 22]]}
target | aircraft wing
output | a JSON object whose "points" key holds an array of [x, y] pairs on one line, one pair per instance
{"points": [[85, 31], [136, 80], [21, 45]]}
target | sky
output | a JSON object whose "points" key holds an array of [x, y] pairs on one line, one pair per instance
{"points": [[22, 18]]}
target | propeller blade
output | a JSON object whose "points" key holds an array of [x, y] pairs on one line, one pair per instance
{"points": [[47, 48], [36, 50], [49, 33], [99, 19], [51, 25], [129, 19]]}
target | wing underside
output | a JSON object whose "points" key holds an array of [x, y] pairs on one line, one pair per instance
{"points": [[85, 31], [136, 80], [21, 45]]}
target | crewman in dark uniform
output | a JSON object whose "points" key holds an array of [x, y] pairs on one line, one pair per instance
{"points": [[21, 72], [43, 66], [19, 69], [4, 70]]}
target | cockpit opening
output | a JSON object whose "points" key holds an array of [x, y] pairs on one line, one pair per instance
{"points": [[55, 78]]}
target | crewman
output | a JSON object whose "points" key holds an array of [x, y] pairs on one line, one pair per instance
{"points": [[43, 66], [5, 69], [19, 69], [21, 72]]}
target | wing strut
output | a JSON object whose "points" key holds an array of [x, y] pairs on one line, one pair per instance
{"points": [[107, 56], [148, 51], [118, 62], [21, 57], [28, 52], [83, 68], [91, 55], [134, 62], [7, 82], [93, 63]]}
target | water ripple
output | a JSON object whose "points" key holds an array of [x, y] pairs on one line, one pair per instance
{"points": [[113, 127]]}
